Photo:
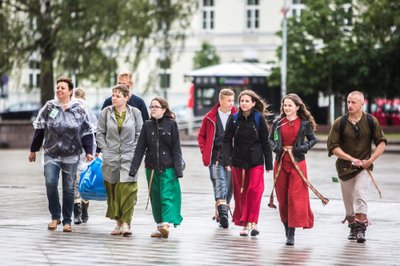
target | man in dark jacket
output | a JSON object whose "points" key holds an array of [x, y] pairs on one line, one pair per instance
{"points": [[210, 138], [134, 100]]}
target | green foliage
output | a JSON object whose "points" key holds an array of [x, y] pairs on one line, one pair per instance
{"points": [[85, 37], [207, 56], [339, 45]]}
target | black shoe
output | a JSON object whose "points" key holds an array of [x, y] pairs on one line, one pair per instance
{"points": [[223, 221], [223, 215], [353, 233], [286, 228], [361, 227], [77, 213], [85, 215], [254, 232], [290, 237]]}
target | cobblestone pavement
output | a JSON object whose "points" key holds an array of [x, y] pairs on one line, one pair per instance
{"points": [[24, 238]]}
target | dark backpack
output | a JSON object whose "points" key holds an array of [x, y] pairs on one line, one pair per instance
{"points": [[257, 117], [343, 122]]}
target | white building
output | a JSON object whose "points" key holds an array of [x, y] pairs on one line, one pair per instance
{"points": [[239, 29]]}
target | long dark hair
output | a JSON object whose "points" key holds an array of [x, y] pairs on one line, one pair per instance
{"points": [[261, 104], [303, 112], [164, 104]]}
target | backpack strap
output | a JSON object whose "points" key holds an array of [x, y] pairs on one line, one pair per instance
{"points": [[370, 120], [257, 117]]}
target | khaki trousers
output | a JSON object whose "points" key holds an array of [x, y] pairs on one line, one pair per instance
{"points": [[354, 193]]}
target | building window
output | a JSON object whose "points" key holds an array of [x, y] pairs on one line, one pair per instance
{"points": [[252, 14], [296, 8], [208, 14], [34, 73]]}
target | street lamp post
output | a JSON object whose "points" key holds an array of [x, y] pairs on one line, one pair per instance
{"points": [[285, 9]]}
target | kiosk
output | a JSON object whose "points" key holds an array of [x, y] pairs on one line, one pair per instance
{"points": [[208, 81]]}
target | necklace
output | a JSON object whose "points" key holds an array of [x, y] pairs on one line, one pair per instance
{"points": [[354, 120], [288, 122], [291, 121]]}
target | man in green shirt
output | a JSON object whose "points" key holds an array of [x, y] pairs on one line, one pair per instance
{"points": [[350, 140]]}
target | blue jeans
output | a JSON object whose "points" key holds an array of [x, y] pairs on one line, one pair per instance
{"points": [[51, 173], [222, 182]]}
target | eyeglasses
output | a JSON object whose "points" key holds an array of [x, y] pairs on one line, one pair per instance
{"points": [[356, 130], [155, 107]]}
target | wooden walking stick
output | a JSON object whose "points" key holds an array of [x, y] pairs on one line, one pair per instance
{"points": [[374, 182], [150, 182], [306, 181], [276, 175]]}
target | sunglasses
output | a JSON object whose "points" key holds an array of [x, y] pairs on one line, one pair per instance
{"points": [[155, 107], [356, 130]]}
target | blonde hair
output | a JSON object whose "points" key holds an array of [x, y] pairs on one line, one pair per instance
{"points": [[225, 92], [80, 93], [125, 74]]}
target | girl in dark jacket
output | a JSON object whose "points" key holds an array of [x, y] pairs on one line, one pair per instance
{"points": [[292, 135], [159, 140], [245, 151]]}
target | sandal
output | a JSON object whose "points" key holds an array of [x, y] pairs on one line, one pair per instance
{"points": [[53, 224], [245, 231], [157, 232], [117, 231], [164, 230], [254, 231], [67, 228], [126, 230]]}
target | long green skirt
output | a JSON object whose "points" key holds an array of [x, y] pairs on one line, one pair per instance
{"points": [[121, 200], [165, 196]]}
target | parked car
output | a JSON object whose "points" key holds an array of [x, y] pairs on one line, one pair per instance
{"points": [[21, 111]]}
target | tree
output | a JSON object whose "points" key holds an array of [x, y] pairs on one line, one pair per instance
{"points": [[80, 38], [207, 56], [339, 45]]}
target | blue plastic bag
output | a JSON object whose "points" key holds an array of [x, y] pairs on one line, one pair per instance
{"points": [[91, 183]]}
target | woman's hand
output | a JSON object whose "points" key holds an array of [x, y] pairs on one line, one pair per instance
{"points": [[89, 157], [32, 157], [228, 168]]}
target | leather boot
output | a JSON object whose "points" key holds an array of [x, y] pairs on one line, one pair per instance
{"points": [[353, 233], [286, 228], [77, 213], [290, 237], [85, 215], [360, 228], [223, 215]]}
